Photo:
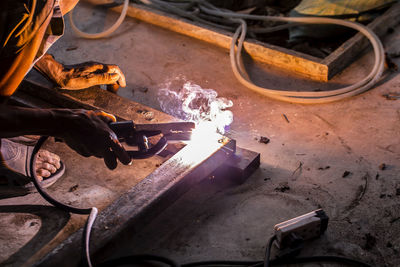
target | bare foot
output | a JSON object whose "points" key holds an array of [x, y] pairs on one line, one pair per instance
{"points": [[16, 156], [46, 164]]}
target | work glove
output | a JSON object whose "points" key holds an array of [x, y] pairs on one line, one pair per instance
{"points": [[80, 76], [88, 133]]}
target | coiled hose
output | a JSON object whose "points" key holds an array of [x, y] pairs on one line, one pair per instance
{"points": [[105, 33], [308, 97], [304, 97]]}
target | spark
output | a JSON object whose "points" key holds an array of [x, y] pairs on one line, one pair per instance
{"points": [[202, 106]]}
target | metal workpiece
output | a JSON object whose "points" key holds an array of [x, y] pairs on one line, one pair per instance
{"points": [[143, 202], [138, 134], [139, 192]]}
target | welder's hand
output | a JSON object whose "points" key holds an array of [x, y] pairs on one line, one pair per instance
{"points": [[80, 76], [88, 133]]}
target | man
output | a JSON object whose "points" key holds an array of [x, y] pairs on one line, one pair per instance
{"points": [[27, 30]]}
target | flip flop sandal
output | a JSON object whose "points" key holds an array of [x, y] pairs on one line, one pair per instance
{"points": [[14, 169], [28, 140]]}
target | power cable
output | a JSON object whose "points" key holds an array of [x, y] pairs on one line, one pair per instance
{"points": [[180, 8], [268, 251], [91, 211], [105, 33], [308, 97]]}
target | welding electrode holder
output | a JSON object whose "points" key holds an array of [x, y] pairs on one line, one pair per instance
{"points": [[135, 134], [126, 132]]}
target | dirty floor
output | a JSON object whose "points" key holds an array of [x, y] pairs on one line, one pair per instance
{"points": [[342, 157]]}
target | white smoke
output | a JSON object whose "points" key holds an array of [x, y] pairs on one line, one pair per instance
{"points": [[190, 102]]}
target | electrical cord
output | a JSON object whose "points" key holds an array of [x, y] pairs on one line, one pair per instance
{"points": [[308, 97], [223, 19], [105, 33], [156, 258], [91, 211], [276, 262], [221, 263], [268, 251], [138, 259], [41, 191]]}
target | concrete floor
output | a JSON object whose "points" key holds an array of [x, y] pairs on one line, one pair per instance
{"points": [[302, 168]]}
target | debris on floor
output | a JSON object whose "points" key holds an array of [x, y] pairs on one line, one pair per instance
{"points": [[71, 48], [286, 118], [346, 174], [382, 166], [73, 188], [324, 168], [392, 96], [283, 187], [264, 140]]}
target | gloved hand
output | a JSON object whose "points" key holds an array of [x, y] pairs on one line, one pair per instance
{"points": [[88, 133], [80, 76]]}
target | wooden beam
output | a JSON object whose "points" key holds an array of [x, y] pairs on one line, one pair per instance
{"points": [[292, 61], [349, 50]]}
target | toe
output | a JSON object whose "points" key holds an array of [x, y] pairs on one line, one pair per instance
{"points": [[43, 173], [46, 164], [55, 162], [48, 157], [49, 167]]}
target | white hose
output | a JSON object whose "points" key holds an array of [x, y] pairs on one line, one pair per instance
{"points": [[104, 33], [302, 97], [308, 97], [89, 226]]}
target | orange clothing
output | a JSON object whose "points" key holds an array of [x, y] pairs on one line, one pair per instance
{"points": [[27, 30]]}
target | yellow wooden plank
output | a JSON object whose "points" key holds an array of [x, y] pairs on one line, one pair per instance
{"points": [[301, 64]]}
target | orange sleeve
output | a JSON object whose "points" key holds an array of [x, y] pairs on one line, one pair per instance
{"points": [[21, 38]]}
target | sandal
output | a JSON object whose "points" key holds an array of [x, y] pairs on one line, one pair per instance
{"points": [[14, 169], [28, 140]]}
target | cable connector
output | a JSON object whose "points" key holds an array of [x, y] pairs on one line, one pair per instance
{"points": [[294, 231]]}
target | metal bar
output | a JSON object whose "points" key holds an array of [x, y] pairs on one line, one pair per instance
{"points": [[146, 200], [239, 167]]}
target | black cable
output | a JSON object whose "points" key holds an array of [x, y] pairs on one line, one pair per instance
{"points": [[138, 259], [336, 259], [39, 188], [56, 203], [268, 250], [220, 263], [280, 262]]}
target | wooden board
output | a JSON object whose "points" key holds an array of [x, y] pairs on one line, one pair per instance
{"points": [[286, 59]]}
